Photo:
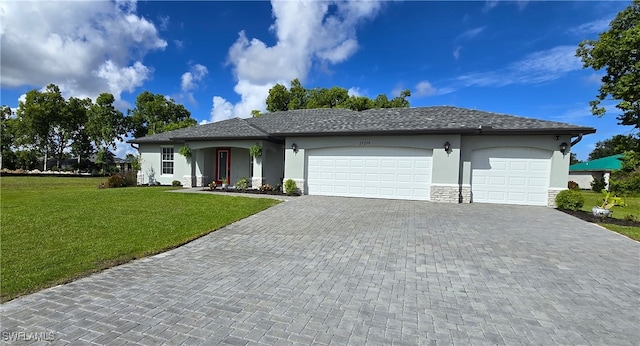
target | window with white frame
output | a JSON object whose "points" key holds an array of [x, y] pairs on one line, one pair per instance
{"points": [[167, 160]]}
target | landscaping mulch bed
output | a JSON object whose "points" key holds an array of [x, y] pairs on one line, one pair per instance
{"points": [[252, 191], [587, 216]]}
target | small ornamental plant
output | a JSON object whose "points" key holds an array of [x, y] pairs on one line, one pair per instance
{"points": [[290, 187], [242, 183], [212, 185], [569, 200], [266, 188], [255, 151], [185, 151]]}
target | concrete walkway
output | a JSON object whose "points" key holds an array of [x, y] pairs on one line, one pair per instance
{"points": [[324, 270]]}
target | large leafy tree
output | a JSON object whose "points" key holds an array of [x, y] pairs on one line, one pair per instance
{"points": [[617, 50], [7, 136], [77, 111], [154, 113], [278, 98], [617, 144], [298, 97], [44, 123], [105, 124]]}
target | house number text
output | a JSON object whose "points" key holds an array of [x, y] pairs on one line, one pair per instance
{"points": [[363, 143]]}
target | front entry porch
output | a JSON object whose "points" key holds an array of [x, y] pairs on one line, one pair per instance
{"points": [[231, 163]]}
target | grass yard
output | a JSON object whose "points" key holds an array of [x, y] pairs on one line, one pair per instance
{"points": [[592, 199], [632, 209], [57, 229]]}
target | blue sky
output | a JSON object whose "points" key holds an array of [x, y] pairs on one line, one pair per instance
{"points": [[219, 58]]}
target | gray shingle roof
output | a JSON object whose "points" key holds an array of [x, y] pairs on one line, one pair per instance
{"points": [[226, 129], [333, 121]]}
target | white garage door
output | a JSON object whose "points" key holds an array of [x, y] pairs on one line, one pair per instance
{"points": [[395, 173], [510, 175]]}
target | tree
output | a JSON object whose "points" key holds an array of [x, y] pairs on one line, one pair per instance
{"points": [[617, 50], [278, 98], [298, 97], [154, 113], [617, 144], [573, 159], [105, 124], [44, 125], [81, 144], [7, 135], [256, 113], [627, 179]]}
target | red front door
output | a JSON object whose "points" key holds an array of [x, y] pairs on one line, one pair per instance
{"points": [[223, 165]]}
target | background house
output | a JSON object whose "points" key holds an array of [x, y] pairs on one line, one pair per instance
{"points": [[584, 173]]}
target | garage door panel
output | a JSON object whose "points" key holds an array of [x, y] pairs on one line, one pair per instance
{"points": [[510, 175], [518, 166], [403, 173], [386, 163], [343, 176], [518, 181], [342, 163], [421, 179], [538, 182], [539, 166], [355, 163], [371, 178], [387, 178]]}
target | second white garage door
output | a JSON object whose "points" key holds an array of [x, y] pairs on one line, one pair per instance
{"points": [[511, 175], [374, 172]]}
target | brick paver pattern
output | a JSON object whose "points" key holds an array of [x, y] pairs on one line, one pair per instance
{"points": [[328, 270]]}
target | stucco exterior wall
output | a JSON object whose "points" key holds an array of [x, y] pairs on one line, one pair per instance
{"points": [[272, 163], [240, 165]]}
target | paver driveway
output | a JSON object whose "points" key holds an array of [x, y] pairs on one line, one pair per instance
{"points": [[345, 270]]}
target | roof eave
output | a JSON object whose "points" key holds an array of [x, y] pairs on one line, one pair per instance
{"points": [[460, 131]]}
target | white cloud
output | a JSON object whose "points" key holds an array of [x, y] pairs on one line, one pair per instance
{"points": [[456, 53], [354, 91], [424, 88], [85, 47], [594, 27], [195, 74], [308, 32], [537, 67], [222, 109], [490, 4], [470, 34], [121, 79]]}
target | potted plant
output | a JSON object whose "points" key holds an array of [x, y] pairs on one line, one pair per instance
{"points": [[185, 151], [225, 182], [608, 202], [255, 151]]}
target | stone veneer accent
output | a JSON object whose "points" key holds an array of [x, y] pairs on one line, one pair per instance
{"points": [[465, 194], [299, 184], [201, 179], [553, 192], [140, 177], [445, 193], [187, 181]]}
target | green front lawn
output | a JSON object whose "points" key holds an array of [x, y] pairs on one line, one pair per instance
{"points": [[57, 229], [631, 210], [592, 199]]}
